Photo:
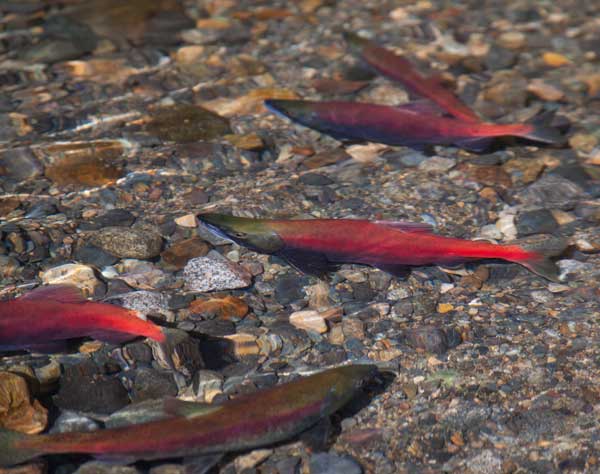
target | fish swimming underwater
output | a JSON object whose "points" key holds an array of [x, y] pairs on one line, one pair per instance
{"points": [[43, 319], [316, 246], [399, 69], [414, 125], [262, 418]]}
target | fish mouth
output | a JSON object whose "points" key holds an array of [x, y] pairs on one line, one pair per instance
{"points": [[210, 222]]}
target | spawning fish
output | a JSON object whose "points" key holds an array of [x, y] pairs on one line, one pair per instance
{"points": [[43, 319], [399, 69], [414, 124], [191, 429], [316, 246]]}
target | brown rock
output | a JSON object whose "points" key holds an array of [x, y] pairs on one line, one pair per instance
{"points": [[227, 307], [326, 158], [17, 411], [251, 103], [545, 91], [187, 123], [555, 59], [583, 142], [524, 170], [490, 175], [93, 163], [309, 321], [8, 204], [178, 254], [512, 40], [245, 142]]}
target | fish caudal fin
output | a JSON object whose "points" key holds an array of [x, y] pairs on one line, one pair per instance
{"points": [[543, 267], [540, 129], [540, 249], [11, 454]]}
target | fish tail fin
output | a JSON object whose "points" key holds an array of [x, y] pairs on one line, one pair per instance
{"points": [[11, 454], [541, 129], [539, 251], [543, 267]]}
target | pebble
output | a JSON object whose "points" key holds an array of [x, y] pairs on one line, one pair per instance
{"points": [[555, 59], [84, 389], [540, 221], [95, 256], [152, 384], [228, 307], [18, 412], [70, 421], [146, 302], [214, 273], [328, 463], [187, 123], [290, 288], [243, 344], [188, 221], [94, 163], [545, 91], [429, 338], [309, 320], [97, 467], [180, 252], [81, 276], [207, 385], [552, 191], [512, 40], [437, 164], [506, 225], [180, 352], [583, 142], [122, 242], [20, 164], [252, 459], [576, 269]]}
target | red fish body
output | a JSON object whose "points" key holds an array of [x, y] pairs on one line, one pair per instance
{"points": [[399, 69], [56, 313], [413, 125], [316, 245], [190, 429]]}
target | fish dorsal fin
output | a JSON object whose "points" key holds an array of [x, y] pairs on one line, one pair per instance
{"points": [[422, 106], [416, 227], [62, 293], [175, 407]]}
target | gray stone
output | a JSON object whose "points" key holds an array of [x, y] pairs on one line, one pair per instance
{"points": [[214, 273], [128, 243], [326, 463], [539, 221]]}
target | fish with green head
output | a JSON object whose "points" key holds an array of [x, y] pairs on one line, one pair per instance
{"points": [[317, 246], [187, 429]]}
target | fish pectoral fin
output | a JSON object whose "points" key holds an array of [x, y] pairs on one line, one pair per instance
{"points": [[475, 144], [399, 271], [175, 407], [201, 464], [62, 293], [307, 261], [405, 226]]}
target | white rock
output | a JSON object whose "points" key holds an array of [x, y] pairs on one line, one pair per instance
{"points": [[437, 163], [309, 320], [214, 273], [76, 274], [189, 221]]}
